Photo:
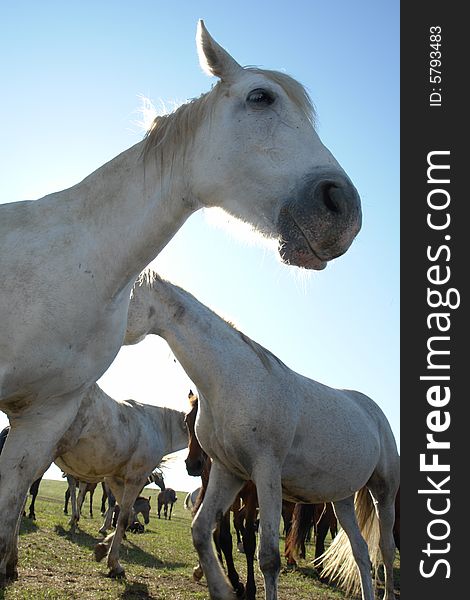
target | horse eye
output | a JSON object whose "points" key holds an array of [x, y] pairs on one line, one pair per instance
{"points": [[260, 98]]}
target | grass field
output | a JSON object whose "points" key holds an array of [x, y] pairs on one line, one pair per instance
{"points": [[56, 564]]}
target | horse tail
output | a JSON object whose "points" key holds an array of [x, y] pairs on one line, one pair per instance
{"points": [[338, 563], [187, 501], [302, 520]]}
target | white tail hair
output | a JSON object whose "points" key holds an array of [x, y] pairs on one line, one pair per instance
{"points": [[337, 563]]}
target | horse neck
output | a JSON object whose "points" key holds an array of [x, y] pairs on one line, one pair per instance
{"points": [[130, 209], [193, 330]]}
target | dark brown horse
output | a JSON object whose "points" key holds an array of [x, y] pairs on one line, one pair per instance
{"points": [[34, 489], [244, 509], [166, 498]]}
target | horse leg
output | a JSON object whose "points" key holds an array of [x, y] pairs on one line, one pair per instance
{"points": [[385, 497], [92, 491], [34, 490], [29, 450], [66, 501], [347, 518], [73, 501], [216, 538], [110, 512], [222, 488], [104, 497], [322, 526], [107, 520], [237, 522], [126, 514], [82, 486], [249, 544], [268, 483], [102, 548], [226, 546]]}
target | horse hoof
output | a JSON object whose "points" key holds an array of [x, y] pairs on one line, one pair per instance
{"points": [[117, 574], [11, 573], [240, 590], [198, 573], [240, 548], [101, 550]]}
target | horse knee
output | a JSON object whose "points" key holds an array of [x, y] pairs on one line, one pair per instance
{"points": [[200, 533], [270, 561]]}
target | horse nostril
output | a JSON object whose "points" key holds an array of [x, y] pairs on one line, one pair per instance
{"points": [[326, 190]]}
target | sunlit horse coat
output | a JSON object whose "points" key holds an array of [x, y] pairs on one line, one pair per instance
{"points": [[292, 436], [68, 260]]}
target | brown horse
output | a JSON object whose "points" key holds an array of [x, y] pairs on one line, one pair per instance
{"points": [[166, 498], [305, 517], [244, 508]]}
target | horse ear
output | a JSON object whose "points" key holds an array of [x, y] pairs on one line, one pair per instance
{"points": [[214, 60]]}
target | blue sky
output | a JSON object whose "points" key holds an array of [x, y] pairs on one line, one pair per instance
{"points": [[72, 77]]}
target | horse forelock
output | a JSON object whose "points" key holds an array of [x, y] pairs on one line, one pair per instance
{"points": [[174, 132]]}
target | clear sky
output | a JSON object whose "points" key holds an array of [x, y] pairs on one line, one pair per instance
{"points": [[72, 75]]}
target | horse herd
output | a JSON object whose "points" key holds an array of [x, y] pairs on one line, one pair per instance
{"points": [[75, 288]]}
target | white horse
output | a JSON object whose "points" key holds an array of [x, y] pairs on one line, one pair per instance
{"points": [[68, 261], [190, 499], [120, 443], [293, 437]]}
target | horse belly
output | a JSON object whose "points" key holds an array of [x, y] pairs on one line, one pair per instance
{"points": [[88, 462], [319, 474]]}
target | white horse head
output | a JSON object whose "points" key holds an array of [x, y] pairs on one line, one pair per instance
{"points": [[260, 158]]}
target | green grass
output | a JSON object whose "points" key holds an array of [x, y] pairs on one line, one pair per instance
{"points": [[56, 564]]}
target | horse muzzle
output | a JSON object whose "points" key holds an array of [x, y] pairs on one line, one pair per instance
{"points": [[194, 467], [321, 222]]}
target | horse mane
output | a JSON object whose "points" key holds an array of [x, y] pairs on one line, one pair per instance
{"points": [[266, 356], [146, 278], [167, 132]]}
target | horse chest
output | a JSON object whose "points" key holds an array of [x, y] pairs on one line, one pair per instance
{"points": [[75, 353], [236, 445]]}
